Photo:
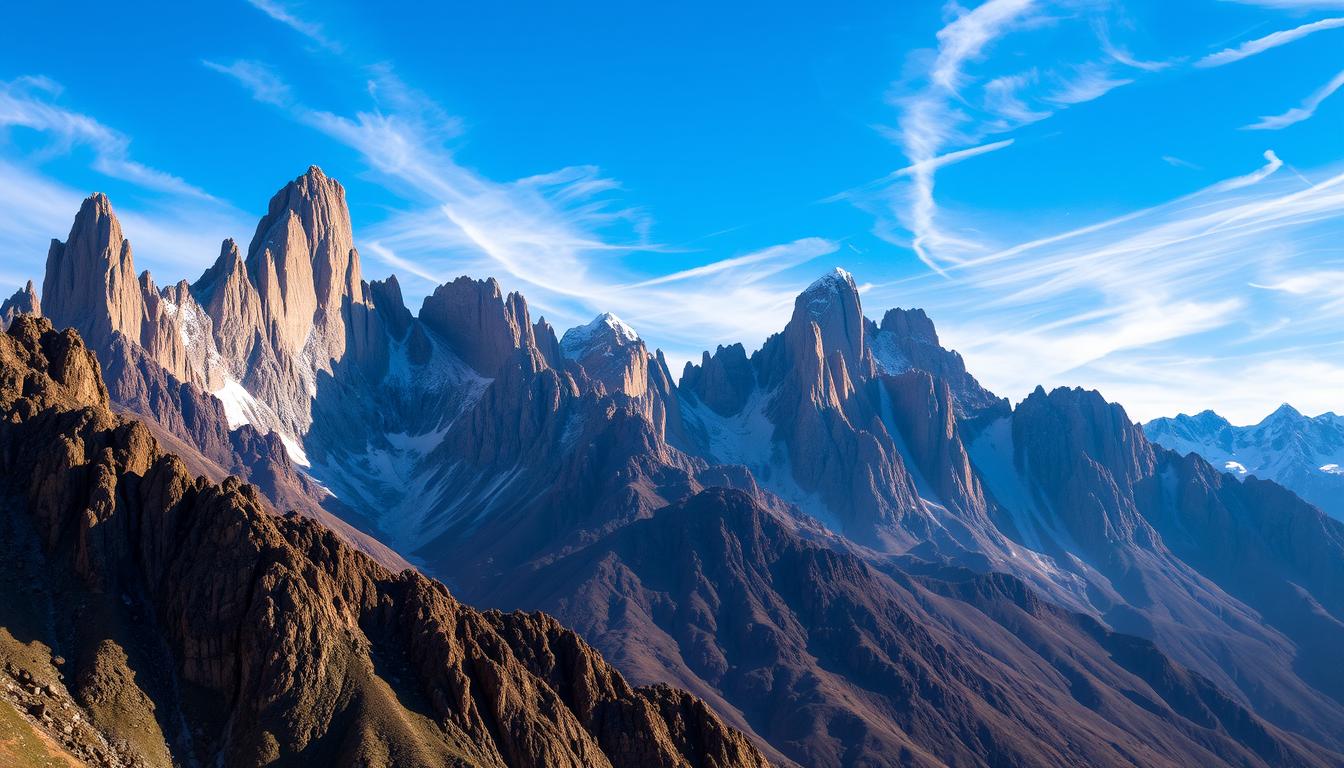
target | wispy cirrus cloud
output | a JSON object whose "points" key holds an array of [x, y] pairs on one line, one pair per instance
{"points": [[264, 84], [175, 229], [309, 29], [1300, 113], [1177, 162], [30, 103], [950, 116], [1087, 82], [174, 238], [1077, 307], [561, 236], [765, 262], [1261, 44]]}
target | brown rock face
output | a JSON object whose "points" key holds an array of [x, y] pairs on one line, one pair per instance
{"points": [[237, 325], [91, 286], [91, 283], [23, 302], [838, 449], [232, 636], [303, 262], [907, 339], [1240, 580]]}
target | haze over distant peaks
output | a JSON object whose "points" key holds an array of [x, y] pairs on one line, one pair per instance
{"points": [[1302, 453]]}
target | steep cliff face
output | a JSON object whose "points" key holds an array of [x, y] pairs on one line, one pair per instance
{"points": [[91, 286], [1242, 581], [906, 339], [194, 625]]}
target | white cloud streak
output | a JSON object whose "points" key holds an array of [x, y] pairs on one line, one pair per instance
{"points": [[1089, 82], [1177, 162], [311, 30], [1261, 44], [28, 102], [1081, 306], [560, 236], [1304, 112], [955, 109], [1272, 164]]}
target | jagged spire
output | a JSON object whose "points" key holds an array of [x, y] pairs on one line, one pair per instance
{"points": [[90, 281]]}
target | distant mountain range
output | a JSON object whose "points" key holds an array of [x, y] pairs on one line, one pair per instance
{"points": [[1304, 454], [844, 545]]}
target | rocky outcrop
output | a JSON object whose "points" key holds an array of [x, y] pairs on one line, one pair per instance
{"points": [[237, 324], [91, 283], [23, 302], [924, 413], [722, 381], [200, 627], [906, 338], [812, 376], [612, 355], [304, 265], [91, 286], [484, 327]]}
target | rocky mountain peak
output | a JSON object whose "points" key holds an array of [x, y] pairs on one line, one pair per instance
{"points": [[1080, 448], [912, 324], [387, 299], [723, 381], [1284, 413], [907, 339], [23, 302], [603, 331], [611, 353], [304, 265], [832, 303], [483, 327], [90, 282]]}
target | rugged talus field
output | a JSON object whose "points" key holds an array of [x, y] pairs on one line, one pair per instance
{"points": [[155, 618]]}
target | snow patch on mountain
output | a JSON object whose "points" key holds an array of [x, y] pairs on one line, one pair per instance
{"points": [[1301, 453], [747, 438], [605, 328], [887, 354], [826, 289]]}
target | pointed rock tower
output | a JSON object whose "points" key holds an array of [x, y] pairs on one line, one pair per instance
{"points": [[304, 265], [23, 302]]}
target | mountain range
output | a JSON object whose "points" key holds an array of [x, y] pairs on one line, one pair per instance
{"points": [[846, 547], [1304, 454]]}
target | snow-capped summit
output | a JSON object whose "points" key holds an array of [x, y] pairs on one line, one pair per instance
{"points": [[836, 278], [1302, 453], [605, 328], [823, 291]]}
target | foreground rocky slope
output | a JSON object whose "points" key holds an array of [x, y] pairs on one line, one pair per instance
{"points": [[156, 618]]}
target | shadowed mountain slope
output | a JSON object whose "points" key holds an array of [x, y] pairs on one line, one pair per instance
{"points": [[165, 619]]}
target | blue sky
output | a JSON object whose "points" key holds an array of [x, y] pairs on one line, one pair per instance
{"points": [[1139, 197]]}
